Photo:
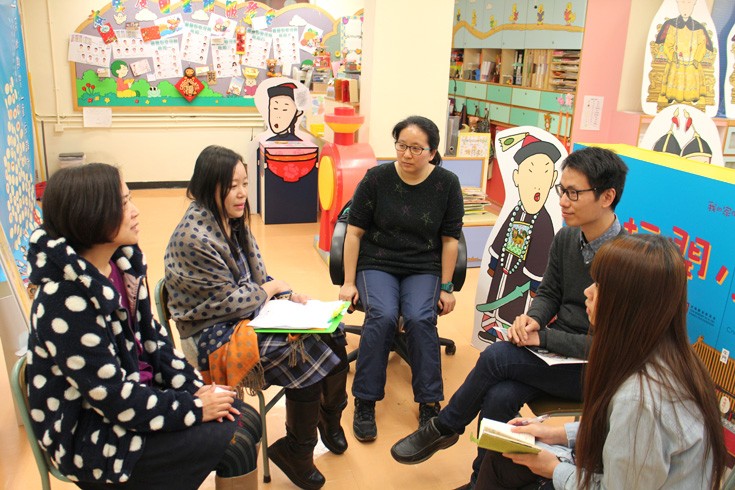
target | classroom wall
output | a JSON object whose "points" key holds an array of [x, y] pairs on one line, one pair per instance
{"points": [[612, 66], [148, 147], [407, 46]]}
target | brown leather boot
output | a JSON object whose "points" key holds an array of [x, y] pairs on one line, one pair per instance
{"points": [[334, 401], [248, 481], [294, 454]]}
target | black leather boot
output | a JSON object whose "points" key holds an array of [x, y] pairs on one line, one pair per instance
{"points": [[334, 401], [294, 454]]}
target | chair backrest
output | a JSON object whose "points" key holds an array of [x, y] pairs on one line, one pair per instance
{"points": [[336, 253], [19, 388], [164, 317]]}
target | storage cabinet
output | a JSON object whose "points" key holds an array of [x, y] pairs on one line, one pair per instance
{"points": [[516, 106]]}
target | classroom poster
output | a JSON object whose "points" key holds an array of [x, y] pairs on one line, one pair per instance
{"points": [[17, 204], [692, 203]]}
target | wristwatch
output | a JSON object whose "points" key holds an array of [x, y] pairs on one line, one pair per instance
{"points": [[447, 287]]}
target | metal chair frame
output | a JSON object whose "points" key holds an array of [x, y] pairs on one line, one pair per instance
{"points": [[161, 297], [19, 388]]}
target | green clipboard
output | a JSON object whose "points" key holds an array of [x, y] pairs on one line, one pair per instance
{"points": [[333, 324]]}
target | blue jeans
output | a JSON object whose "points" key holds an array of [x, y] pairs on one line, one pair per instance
{"points": [[503, 379], [384, 297]]}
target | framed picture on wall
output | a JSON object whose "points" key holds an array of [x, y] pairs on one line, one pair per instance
{"points": [[476, 145]]}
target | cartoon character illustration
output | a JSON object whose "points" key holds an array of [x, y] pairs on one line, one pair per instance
{"points": [[685, 45], [540, 12], [283, 112], [518, 251], [493, 22], [569, 16], [251, 80], [153, 92], [684, 131], [120, 70], [514, 14], [97, 18], [270, 64]]}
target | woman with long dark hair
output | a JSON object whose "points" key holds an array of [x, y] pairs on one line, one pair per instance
{"points": [[216, 278], [650, 417], [113, 404]]}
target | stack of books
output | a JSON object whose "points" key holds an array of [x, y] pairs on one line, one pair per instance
{"points": [[564, 70], [475, 200]]}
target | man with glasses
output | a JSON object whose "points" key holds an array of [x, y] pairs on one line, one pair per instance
{"points": [[506, 376]]}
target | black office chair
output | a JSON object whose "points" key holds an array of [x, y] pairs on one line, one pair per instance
{"points": [[337, 274]]}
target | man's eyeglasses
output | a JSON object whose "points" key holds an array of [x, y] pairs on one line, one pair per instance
{"points": [[415, 150], [572, 194]]}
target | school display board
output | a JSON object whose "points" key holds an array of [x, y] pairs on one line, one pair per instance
{"points": [[692, 203], [200, 53], [17, 202]]}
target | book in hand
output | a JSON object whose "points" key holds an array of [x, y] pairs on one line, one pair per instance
{"points": [[497, 436], [314, 316]]}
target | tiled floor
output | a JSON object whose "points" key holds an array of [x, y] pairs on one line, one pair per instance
{"points": [[289, 254]]}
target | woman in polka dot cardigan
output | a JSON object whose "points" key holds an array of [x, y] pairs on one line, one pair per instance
{"points": [[216, 277], [112, 402]]}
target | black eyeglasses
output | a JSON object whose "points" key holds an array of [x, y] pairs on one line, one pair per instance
{"points": [[572, 194], [415, 150]]}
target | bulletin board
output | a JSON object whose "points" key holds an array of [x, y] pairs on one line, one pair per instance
{"points": [[133, 53], [17, 203]]}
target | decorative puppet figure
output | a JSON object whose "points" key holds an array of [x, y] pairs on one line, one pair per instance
{"points": [[684, 131], [682, 65], [685, 44], [270, 63], [518, 248], [120, 70], [251, 80], [282, 112]]}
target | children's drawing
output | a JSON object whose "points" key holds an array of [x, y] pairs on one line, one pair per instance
{"points": [[514, 263], [687, 132], [682, 64], [120, 70]]}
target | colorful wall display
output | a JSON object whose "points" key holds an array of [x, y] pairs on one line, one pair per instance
{"points": [[135, 54], [693, 204], [17, 203], [681, 64], [517, 249]]}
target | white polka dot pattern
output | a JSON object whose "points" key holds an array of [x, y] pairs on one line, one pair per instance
{"points": [[87, 399]]}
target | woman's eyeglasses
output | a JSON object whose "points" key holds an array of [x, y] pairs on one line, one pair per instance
{"points": [[415, 150]]}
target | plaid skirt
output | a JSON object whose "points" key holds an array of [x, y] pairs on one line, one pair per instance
{"points": [[284, 362]]}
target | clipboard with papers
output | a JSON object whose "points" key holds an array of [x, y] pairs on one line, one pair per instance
{"points": [[285, 316]]}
